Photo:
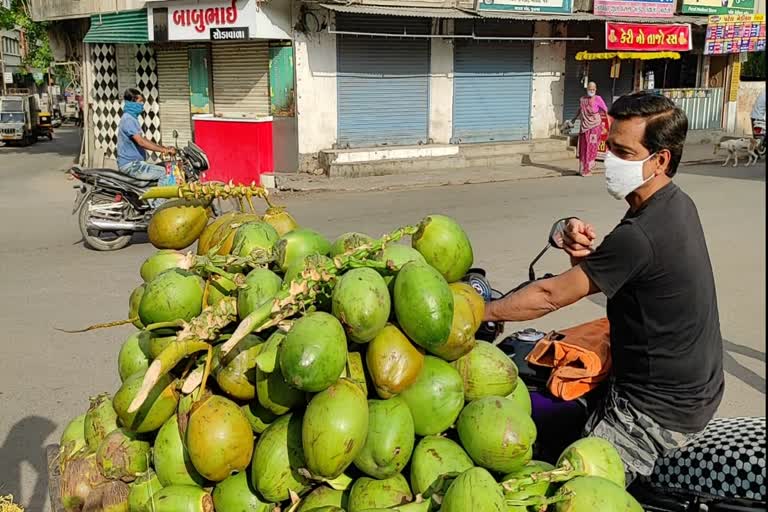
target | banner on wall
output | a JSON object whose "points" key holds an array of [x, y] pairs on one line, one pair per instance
{"points": [[644, 8], [641, 37], [718, 6], [735, 34], [546, 6]]}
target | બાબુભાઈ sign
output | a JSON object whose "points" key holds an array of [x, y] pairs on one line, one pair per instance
{"points": [[635, 8]]}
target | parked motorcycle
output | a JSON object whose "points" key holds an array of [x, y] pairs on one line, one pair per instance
{"points": [[723, 469], [109, 205], [758, 132]]}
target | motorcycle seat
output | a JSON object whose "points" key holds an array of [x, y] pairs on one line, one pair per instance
{"points": [[116, 175], [725, 462]]}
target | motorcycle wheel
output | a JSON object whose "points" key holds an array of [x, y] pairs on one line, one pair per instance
{"points": [[100, 241]]}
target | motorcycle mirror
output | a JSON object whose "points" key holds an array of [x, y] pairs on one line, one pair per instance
{"points": [[556, 233]]}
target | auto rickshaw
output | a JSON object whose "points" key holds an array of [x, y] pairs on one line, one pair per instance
{"points": [[44, 126]]}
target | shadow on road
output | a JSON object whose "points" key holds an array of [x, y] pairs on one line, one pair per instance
{"points": [[754, 173], [738, 370], [26, 444], [66, 142]]}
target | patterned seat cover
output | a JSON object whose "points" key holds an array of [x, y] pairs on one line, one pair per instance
{"points": [[726, 461]]}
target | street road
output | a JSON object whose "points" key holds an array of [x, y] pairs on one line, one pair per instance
{"points": [[50, 280]]}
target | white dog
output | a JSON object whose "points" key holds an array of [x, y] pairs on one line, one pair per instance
{"points": [[734, 146]]}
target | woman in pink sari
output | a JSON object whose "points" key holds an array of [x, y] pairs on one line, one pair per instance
{"points": [[591, 128]]}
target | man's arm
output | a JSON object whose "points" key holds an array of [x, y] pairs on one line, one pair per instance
{"points": [[542, 297], [149, 145]]}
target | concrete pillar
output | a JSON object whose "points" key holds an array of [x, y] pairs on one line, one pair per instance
{"points": [[548, 82], [316, 101], [441, 90]]}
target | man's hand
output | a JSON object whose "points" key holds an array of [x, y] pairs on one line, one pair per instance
{"points": [[578, 238], [169, 150]]}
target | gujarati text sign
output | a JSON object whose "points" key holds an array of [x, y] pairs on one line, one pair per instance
{"points": [[637, 37], [644, 8], [735, 34], [718, 6]]}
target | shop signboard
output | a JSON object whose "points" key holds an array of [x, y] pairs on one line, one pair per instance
{"points": [[647, 37], [219, 20], [602, 143], [718, 6], [739, 33], [546, 6], [635, 8]]}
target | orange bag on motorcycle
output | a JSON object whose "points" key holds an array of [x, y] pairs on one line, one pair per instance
{"points": [[580, 358]]}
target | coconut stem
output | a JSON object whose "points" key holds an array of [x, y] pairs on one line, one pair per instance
{"points": [[561, 474], [206, 374], [165, 325], [540, 502], [100, 326], [164, 363]]}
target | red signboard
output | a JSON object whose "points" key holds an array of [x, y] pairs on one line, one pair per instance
{"points": [[640, 37], [601, 146]]}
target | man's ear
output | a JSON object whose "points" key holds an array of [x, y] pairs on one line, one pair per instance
{"points": [[663, 158]]}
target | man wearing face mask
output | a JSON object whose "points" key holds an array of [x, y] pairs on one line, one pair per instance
{"points": [[667, 375], [132, 146]]}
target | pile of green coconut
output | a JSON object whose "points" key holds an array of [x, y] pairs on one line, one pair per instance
{"points": [[275, 370]]}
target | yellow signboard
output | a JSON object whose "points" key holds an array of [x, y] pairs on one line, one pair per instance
{"points": [[735, 80]]}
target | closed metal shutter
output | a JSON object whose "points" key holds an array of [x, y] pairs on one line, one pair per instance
{"points": [[383, 83], [241, 79], [492, 91], [173, 94]]}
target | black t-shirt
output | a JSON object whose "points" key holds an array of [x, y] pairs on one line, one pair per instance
{"points": [[666, 344]]}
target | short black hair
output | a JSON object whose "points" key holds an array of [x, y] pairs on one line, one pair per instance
{"points": [[666, 125], [132, 94]]}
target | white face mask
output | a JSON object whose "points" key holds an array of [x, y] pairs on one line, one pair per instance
{"points": [[623, 177], [591, 93]]}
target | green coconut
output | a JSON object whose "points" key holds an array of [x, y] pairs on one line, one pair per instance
{"points": [[334, 428], [497, 433], [219, 438], [348, 242], [171, 458], [177, 223], [235, 494], [594, 456], [275, 395], [123, 456], [220, 287], [253, 236], [436, 398], [435, 457], [522, 396], [445, 246], [277, 459], [295, 245], [157, 408], [423, 305], [133, 306], [157, 343], [589, 493], [134, 355], [361, 302], [324, 496], [390, 439], [281, 220], [172, 295], [258, 416], [474, 489], [539, 488], [260, 285], [237, 378], [141, 491], [369, 493], [393, 362], [182, 498], [160, 261], [486, 371], [100, 420], [73, 438], [314, 353], [461, 341]]}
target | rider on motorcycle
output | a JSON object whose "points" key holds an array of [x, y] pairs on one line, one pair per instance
{"points": [[131, 144], [667, 375]]}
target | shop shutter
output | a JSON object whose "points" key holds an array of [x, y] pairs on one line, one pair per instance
{"points": [[492, 91], [383, 83], [241, 79], [173, 94]]}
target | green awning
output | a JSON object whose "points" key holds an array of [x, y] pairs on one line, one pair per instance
{"points": [[121, 27]]}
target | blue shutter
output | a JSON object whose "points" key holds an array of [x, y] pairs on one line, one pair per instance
{"points": [[492, 91], [383, 83]]}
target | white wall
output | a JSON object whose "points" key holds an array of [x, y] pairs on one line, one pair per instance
{"points": [[548, 83], [441, 91], [316, 104]]}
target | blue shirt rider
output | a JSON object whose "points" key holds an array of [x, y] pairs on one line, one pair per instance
{"points": [[132, 146]]}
